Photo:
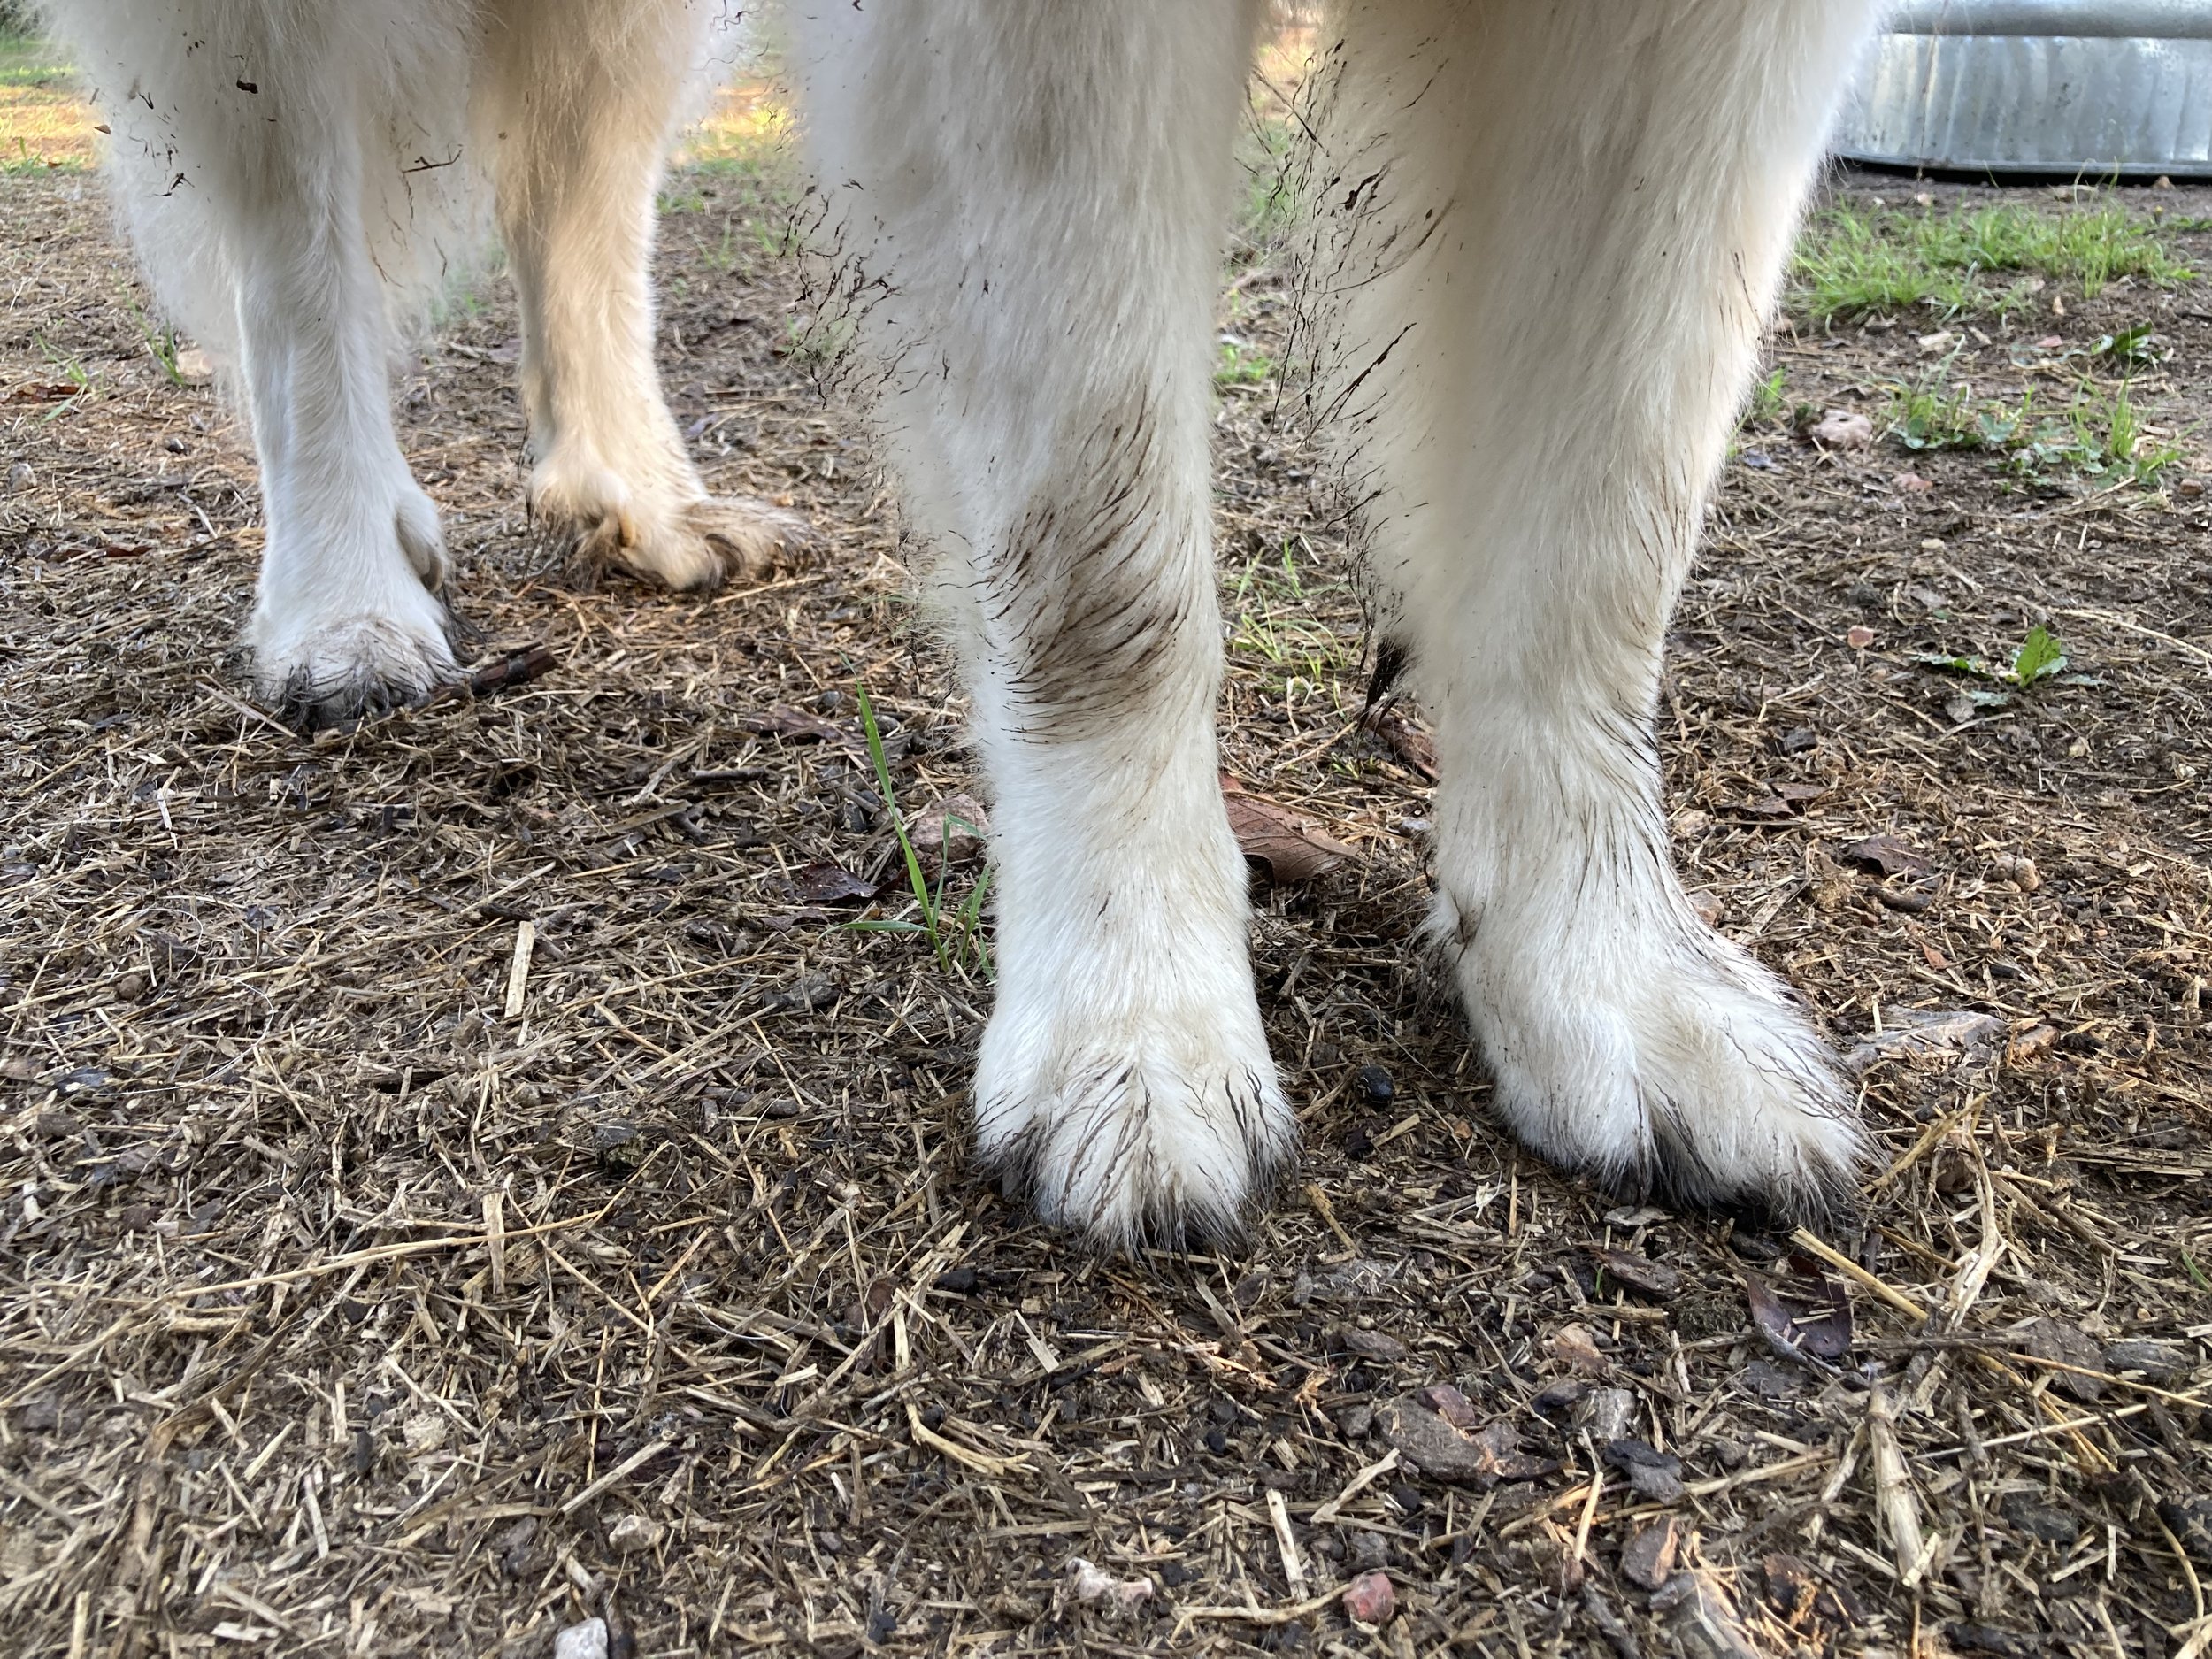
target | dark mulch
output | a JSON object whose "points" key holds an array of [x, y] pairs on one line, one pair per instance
{"points": [[341, 1312]]}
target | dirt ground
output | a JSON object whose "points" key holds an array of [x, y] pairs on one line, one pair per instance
{"points": [[360, 1295]]}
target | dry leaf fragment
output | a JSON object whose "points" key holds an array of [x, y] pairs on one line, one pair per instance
{"points": [[2167, 1364], [1405, 738], [1423, 1437], [1928, 1033], [2064, 1344], [1574, 1344], [796, 724], [1704, 1620], [1284, 846], [955, 828], [1089, 1584], [1374, 1345], [823, 883], [1842, 429], [1815, 1321], [1885, 855]]}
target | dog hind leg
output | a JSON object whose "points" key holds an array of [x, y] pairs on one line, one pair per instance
{"points": [[580, 100]]}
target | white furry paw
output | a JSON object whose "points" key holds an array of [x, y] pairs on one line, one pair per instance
{"points": [[1650, 1053], [351, 653], [1127, 1112]]}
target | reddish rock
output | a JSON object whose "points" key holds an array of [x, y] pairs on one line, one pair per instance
{"points": [[1371, 1599]]}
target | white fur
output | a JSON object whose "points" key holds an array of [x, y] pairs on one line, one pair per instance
{"points": [[1550, 233], [301, 177], [1573, 219], [1045, 189]]}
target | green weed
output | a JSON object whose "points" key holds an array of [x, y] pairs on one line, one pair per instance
{"points": [[953, 935], [1768, 403], [1272, 605], [161, 343], [2099, 438], [1856, 262], [2038, 656], [2100, 435], [1931, 415], [1269, 207], [1238, 364]]}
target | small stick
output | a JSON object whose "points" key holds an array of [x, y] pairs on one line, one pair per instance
{"points": [[1263, 1615], [1286, 1541], [496, 1238], [1893, 1491], [519, 970], [644, 1454], [1324, 1209], [1578, 1559], [1353, 1487], [1813, 1246]]}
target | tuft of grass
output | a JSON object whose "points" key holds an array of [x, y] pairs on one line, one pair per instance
{"points": [[1855, 262], [2104, 438], [956, 934], [1768, 402], [1239, 365], [1270, 205], [1933, 416], [161, 343], [2100, 436], [1272, 605]]}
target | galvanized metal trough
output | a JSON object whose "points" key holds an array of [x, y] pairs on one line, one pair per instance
{"points": [[2088, 89]]}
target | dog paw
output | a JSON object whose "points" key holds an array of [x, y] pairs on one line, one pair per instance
{"points": [[1128, 1113], [1661, 1060], [324, 667], [691, 546]]}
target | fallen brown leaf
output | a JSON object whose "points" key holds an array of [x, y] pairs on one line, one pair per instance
{"points": [[1284, 846]]}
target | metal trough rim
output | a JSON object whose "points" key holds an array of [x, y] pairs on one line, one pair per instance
{"points": [[2104, 19]]}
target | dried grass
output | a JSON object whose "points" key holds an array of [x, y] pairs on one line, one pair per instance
{"points": [[342, 1312]]}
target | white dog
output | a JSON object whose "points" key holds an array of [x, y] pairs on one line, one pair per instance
{"points": [[300, 175], [1552, 229]]}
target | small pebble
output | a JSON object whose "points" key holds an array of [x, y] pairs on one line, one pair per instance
{"points": [[2167, 1364], [20, 478], [634, 1534], [1375, 1084], [586, 1640]]}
